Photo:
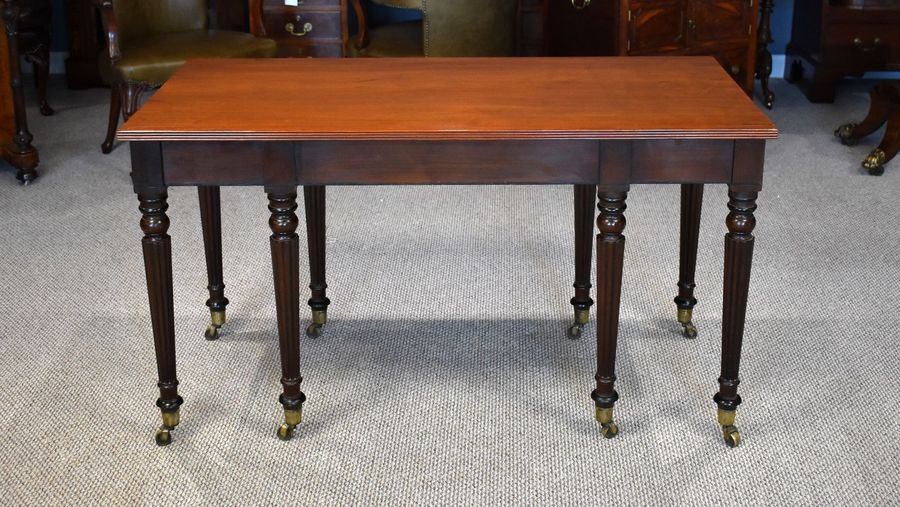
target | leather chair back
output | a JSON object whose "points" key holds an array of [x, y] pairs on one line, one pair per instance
{"points": [[141, 18], [469, 27]]}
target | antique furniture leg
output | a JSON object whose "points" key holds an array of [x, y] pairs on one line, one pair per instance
{"points": [[211, 220], [285, 245], [40, 60], [21, 154], [584, 227], [691, 205], [610, 252], [128, 99], [314, 200], [738, 258], [158, 264], [763, 56], [884, 106]]}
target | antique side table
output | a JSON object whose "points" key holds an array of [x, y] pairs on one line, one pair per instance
{"points": [[500, 121]]}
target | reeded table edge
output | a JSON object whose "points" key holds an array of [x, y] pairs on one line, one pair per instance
{"points": [[730, 134]]}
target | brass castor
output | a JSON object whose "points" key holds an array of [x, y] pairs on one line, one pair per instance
{"points": [[875, 162], [164, 433], [581, 318], [608, 428], [320, 318], [845, 134], [688, 328], [217, 320], [291, 419], [730, 433], [285, 432]]}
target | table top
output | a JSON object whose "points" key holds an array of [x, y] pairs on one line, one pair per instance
{"points": [[674, 97]]}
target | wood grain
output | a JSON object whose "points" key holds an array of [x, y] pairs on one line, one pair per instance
{"points": [[449, 99]]}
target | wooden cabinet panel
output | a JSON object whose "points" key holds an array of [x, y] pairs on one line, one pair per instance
{"points": [[718, 20], [655, 27], [314, 28]]}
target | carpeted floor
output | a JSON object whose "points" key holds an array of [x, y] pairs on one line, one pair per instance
{"points": [[444, 375]]}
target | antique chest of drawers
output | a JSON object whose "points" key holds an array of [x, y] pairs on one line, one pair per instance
{"points": [[837, 38], [312, 28]]}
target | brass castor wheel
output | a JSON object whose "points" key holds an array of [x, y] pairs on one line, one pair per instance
{"points": [[731, 435], [217, 320], [689, 330], [314, 330], [286, 432], [319, 318], [574, 331], [171, 419], [845, 134], [163, 437], [684, 318], [609, 430]]}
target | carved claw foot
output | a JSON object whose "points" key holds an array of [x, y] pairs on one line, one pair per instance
{"points": [[688, 328], [608, 428], [875, 162], [845, 134], [217, 320], [581, 318], [730, 433], [164, 433], [291, 419], [320, 318]]}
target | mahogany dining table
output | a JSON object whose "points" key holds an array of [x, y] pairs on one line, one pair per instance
{"points": [[599, 124]]}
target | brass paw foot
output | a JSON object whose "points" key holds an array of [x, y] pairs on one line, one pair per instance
{"points": [[875, 162], [730, 433], [320, 318], [164, 433], [608, 428], [845, 134], [217, 321], [688, 328], [291, 419], [581, 318]]}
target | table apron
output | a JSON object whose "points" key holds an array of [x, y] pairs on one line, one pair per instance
{"points": [[606, 162]]}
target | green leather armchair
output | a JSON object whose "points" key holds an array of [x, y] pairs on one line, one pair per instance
{"points": [[447, 28], [149, 40]]}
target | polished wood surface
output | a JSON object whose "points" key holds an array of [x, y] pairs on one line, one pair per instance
{"points": [[482, 99]]}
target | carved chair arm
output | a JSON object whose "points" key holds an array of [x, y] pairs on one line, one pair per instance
{"points": [[362, 32], [111, 27]]}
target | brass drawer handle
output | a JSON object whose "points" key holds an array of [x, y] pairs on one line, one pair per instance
{"points": [[307, 27], [582, 5], [691, 24], [858, 43]]}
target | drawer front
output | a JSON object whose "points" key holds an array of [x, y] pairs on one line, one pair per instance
{"points": [[863, 45], [300, 24]]}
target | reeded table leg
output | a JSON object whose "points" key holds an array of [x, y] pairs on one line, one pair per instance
{"points": [[158, 265], [691, 205], [584, 228], [610, 253], [738, 258], [285, 246], [314, 200], [211, 220]]}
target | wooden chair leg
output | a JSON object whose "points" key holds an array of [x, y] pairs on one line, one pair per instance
{"points": [[890, 145], [851, 133], [40, 60], [115, 109]]}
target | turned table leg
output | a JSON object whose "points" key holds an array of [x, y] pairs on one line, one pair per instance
{"points": [[691, 205], [314, 200], [585, 198], [610, 253], [285, 245], [157, 248], [211, 221], [738, 259]]}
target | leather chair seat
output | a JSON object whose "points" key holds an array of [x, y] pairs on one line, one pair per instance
{"points": [[393, 40], [154, 59], [402, 4]]}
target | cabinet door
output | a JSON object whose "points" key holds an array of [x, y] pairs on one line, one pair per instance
{"points": [[718, 20], [580, 27], [655, 27]]}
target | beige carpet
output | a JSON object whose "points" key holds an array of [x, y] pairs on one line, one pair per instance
{"points": [[444, 376]]}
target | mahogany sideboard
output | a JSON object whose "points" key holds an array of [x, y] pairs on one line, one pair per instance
{"points": [[488, 129], [15, 139]]}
